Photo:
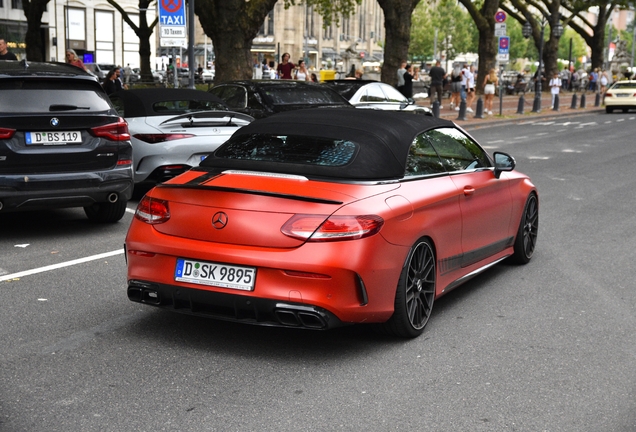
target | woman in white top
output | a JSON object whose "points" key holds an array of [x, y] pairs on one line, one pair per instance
{"points": [[555, 86], [302, 74]]}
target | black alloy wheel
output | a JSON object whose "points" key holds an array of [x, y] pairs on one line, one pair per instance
{"points": [[415, 292], [526, 240]]}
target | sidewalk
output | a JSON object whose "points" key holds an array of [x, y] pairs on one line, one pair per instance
{"points": [[510, 106]]}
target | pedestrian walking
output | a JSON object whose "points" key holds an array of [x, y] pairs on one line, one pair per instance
{"points": [[73, 59], [408, 82], [112, 83], [555, 86], [437, 74], [285, 68], [593, 79], [490, 82], [604, 81], [127, 74], [400, 77], [5, 54], [456, 87], [470, 88]]}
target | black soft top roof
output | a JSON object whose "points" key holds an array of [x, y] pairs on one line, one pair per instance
{"points": [[384, 139], [139, 102]]}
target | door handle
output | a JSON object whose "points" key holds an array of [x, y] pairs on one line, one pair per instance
{"points": [[469, 190]]}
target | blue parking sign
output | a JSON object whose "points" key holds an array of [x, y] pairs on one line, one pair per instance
{"points": [[504, 45], [172, 13]]}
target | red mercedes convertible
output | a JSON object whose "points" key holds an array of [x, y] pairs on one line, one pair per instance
{"points": [[325, 217]]}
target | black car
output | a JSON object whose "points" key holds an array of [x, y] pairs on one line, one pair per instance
{"points": [[62, 143], [262, 98]]}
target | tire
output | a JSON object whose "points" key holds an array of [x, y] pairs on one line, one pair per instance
{"points": [[106, 212], [609, 110], [526, 239], [415, 292]]}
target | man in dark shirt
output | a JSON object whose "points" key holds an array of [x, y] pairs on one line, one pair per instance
{"points": [[5, 54], [437, 74]]}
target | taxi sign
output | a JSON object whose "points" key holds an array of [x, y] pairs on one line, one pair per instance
{"points": [[172, 23]]}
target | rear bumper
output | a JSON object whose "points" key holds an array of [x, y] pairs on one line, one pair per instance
{"points": [[30, 192], [231, 307]]}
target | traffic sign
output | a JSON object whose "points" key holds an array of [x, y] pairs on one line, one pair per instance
{"points": [[500, 16], [500, 29], [504, 45], [172, 23], [503, 58]]}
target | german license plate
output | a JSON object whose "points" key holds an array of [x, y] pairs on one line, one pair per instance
{"points": [[622, 94], [215, 274], [53, 138]]}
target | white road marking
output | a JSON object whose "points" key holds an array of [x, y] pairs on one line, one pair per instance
{"points": [[546, 123], [495, 141], [571, 151], [22, 245], [608, 122], [521, 137], [60, 265], [541, 133], [619, 120], [539, 157], [131, 211]]}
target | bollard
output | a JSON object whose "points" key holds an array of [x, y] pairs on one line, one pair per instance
{"points": [[583, 100], [462, 110], [597, 101], [574, 101], [436, 108], [479, 110], [521, 104], [536, 104], [555, 107]]}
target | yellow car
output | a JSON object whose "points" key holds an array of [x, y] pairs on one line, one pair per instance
{"points": [[621, 95]]}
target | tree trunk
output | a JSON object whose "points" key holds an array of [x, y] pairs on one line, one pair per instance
{"points": [[484, 19], [144, 33], [33, 11], [232, 25], [397, 24]]}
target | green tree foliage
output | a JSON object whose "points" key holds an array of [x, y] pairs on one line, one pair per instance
{"points": [[579, 47], [456, 32]]}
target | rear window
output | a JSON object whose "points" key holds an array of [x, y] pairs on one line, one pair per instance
{"points": [[303, 95], [627, 85], [37, 96], [346, 90], [291, 149]]}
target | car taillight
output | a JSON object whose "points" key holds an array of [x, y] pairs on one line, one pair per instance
{"points": [[608, 94], [6, 133], [152, 210], [159, 138], [113, 131], [314, 228]]}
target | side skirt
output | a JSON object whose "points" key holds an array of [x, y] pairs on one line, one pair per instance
{"points": [[472, 274]]}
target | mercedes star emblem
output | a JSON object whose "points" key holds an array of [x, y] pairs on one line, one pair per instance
{"points": [[219, 220]]}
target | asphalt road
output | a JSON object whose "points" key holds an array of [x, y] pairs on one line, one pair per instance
{"points": [[549, 346]]}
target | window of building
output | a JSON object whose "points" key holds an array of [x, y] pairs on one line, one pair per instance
{"points": [[268, 25], [131, 43], [16, 4], [104, 37]]}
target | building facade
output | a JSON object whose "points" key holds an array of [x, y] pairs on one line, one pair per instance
{"points": [[93, 28]]}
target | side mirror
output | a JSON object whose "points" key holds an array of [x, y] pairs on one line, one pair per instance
{"points": [[503, 162]]}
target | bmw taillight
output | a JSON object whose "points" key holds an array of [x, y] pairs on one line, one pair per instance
{"points": [[152, 210], [314, 228], [159, 138], [6, 133], [114, 131]]}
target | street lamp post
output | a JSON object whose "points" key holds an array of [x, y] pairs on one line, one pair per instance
{"points": [[557, 31]]}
